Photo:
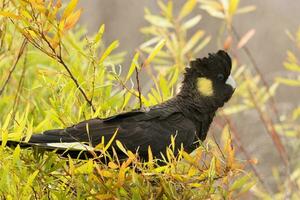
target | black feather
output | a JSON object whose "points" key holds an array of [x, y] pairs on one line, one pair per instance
{"points": [[186, 116]]}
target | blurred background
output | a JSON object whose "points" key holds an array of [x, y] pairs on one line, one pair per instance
{"points": [[270, 20]]}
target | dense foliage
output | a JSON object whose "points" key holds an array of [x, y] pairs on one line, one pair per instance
{"points": [[54, 75]]}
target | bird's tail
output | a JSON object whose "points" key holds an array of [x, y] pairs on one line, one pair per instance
{"points": [[61, 145]]}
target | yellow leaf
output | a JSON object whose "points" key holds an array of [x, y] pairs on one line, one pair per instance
{"points": [[110, 141], [192, 171], [106, 173], [289, 82], [202, 44], [71, 166], [187, 8], [9, 14], [113, 165], [193, 41], [245, 9], [16, 154], [296, 113], [233, 5], [158, 21], [188, 157], [191, 22], [31, 178], [105, 196], [99, 35], [155, 51], [85, 168], [134, 64], [109, 49], [72, 19], [58, 4], [150, 157], [70, 8], [121, 147], [121, 177]]}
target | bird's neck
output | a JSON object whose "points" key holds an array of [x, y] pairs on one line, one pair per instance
{"points": [[191, 109]]}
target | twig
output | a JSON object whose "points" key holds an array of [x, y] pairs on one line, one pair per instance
{"points": [[138, 87], [238, 141], [19, 90], [62, 62], [76, 83], [24, 43], [255, 65], [269, 125]]}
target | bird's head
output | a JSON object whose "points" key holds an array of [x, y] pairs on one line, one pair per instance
{"points": [[207, 81]]}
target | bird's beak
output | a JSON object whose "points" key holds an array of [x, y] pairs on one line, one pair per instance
{"points": [[230, 81]]}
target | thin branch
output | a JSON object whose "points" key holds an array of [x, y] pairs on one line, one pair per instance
{"points": [[138, 87], [255, 65], [19, 90], [238, 141], [62, 62], [20, 53]]}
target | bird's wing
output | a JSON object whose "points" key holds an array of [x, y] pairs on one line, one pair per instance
{"points": [[135, 130]]}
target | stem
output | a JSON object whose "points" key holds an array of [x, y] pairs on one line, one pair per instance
{"points": [[138, 87], [21, 51]]}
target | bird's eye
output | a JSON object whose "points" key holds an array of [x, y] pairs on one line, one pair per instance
{"points": [[220, 77]]}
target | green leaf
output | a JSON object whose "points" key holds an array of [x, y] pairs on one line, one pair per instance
{"points": [[109, 49], [155, 51]]}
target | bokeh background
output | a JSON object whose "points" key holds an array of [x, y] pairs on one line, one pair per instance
{"points": [[271, 20]]}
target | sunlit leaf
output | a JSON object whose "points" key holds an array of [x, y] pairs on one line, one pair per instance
{"points": [[121, 147], [155, 51], [108, 51], [133, 66], [193, 41], [202, 44], [9, 14], [86, 168], [192, 22], [72, 19], [187, 8], [246, 9], [288, 82], [233, 5], [69, 9], [158, 21], [99, 34]]}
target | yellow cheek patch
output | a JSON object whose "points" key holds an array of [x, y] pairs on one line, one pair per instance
{"points": [[205, 86]]}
